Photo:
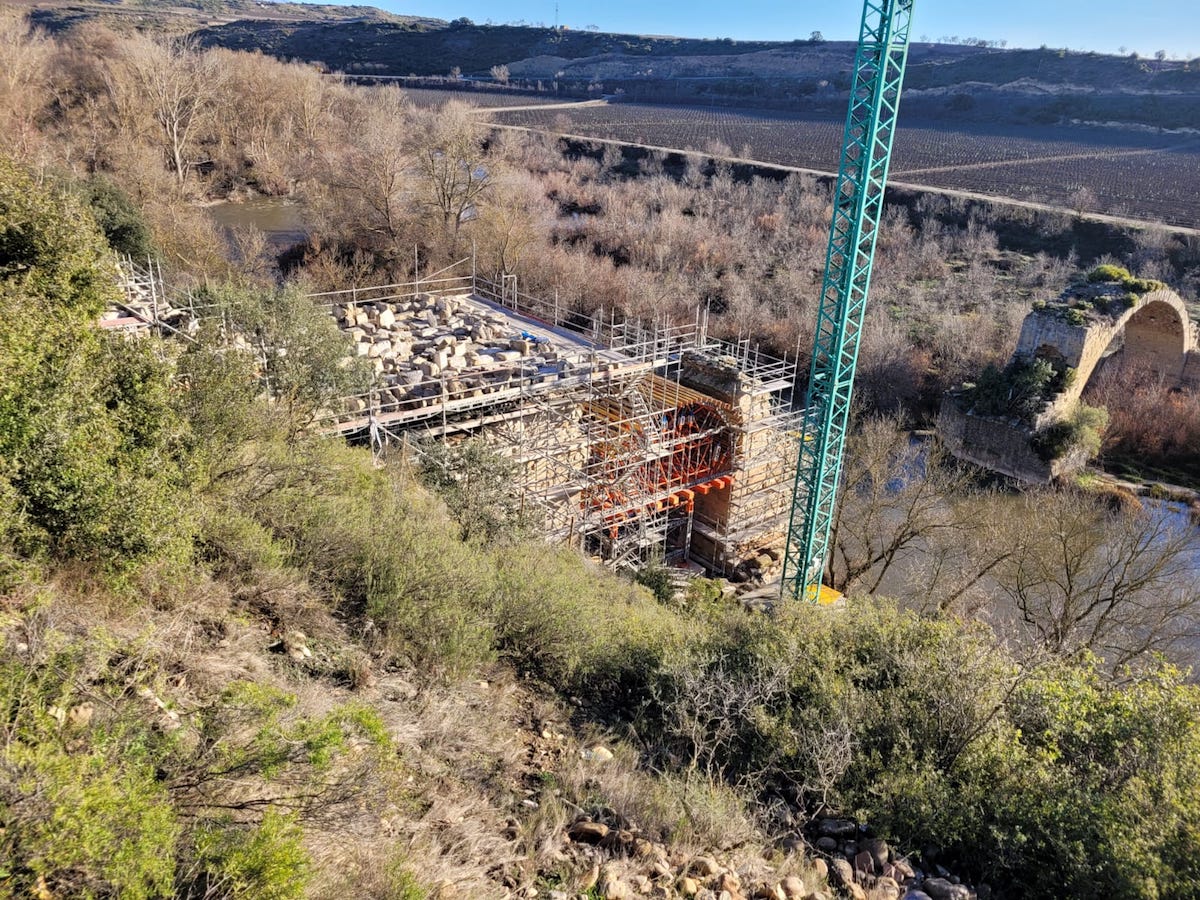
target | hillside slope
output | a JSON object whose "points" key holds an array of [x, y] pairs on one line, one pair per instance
{"points": [[183, 16], [960, 82], [965, 83]]}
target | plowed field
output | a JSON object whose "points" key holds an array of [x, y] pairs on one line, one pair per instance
{"points": [[1154, 177]]}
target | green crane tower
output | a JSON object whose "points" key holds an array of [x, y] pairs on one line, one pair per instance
{"points": [[858, 202]]}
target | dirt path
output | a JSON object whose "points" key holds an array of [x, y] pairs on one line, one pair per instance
{"points": [[1062, 157], [905, 185], [579, 104]]}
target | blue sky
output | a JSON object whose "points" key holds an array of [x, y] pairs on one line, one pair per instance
{"points": [[1104, 25]]}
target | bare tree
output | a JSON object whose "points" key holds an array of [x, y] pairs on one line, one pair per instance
{"points": [[451, 162], [371, 185], [1083, 577], [25, 56], [1084, 200], [908, 519], [313, 105], [508, 231], [180, 84], [259, 121], [500, 73], [712, 705]]}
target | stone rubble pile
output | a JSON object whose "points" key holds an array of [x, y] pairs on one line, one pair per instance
{"points": [[860, 864], [615, 861], [430, 345], [144, 308]]}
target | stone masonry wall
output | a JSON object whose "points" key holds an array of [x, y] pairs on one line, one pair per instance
{"points": [[998, 444], [1157, 333]]}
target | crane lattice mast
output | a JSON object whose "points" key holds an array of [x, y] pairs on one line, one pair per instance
{"points": [[858, 203]]}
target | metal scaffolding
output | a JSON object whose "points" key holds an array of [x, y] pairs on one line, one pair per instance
{"points": [[631, 440], [638, 440]]}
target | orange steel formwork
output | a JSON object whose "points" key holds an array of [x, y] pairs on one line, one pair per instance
{"points": [[655, 445]]}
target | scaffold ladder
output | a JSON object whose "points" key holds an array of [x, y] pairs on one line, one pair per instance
{"points": [[858, 203]]}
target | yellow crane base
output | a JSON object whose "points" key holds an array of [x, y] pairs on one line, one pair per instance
{"points": [[823, 595]]}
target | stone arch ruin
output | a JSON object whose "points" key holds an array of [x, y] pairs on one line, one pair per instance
{"points": [[1152, 331], [1156, 333]]}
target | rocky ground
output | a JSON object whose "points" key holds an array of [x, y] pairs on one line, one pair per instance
{"points": [[508, 793], [617, 863]]}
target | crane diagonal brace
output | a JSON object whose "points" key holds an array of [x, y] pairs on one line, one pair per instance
{"points": [[857, 206]]}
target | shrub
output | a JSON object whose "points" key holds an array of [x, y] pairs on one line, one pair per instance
{"points": [[924, 728], [402, 884], [657, 577], [1113, 767], [1039, 305], [254, 861], [1082, 430], [1076, 317], [703, 592], [1141, 285], [379, 545], [1108, 273], [1018, 390], [88, 824], [580, 627], [82, 811]]}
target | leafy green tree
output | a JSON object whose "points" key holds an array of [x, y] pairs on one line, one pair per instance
{"points": [[89, 441], [655, 575], [122, 222], [294, 347], [478, 484]]}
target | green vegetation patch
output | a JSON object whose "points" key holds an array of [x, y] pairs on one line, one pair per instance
{"points": [[1082, 431], [1020, 390]]}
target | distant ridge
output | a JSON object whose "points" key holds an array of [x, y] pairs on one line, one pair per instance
{"points": [[181, 16], [946, 82]]}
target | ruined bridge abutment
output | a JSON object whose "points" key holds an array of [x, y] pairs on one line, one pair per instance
{"points": [[1152, 332]]}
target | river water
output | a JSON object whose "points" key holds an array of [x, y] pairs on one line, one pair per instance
{"points": [[282, 220]]}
